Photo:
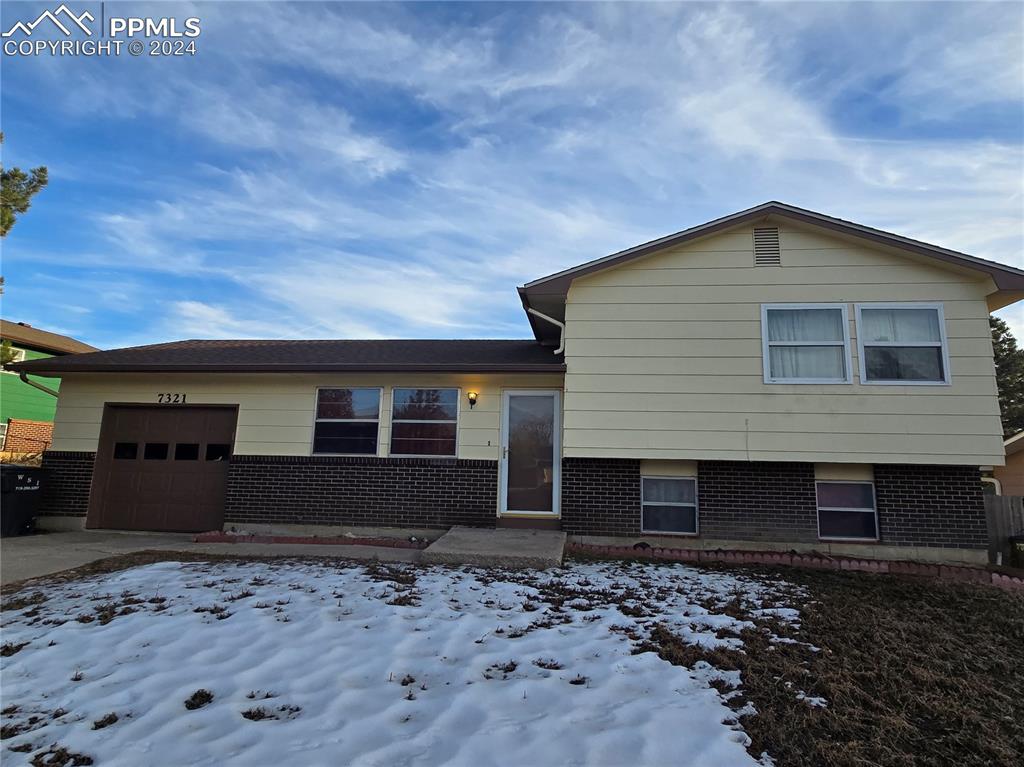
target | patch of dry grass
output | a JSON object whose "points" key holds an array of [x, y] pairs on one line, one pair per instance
{"points": [[915, 672], [198, 699]]}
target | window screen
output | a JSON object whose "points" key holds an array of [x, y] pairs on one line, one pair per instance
{"points": [[847, 510], [805, 344], [902, 344], [347, 421], [669, 505], [424, 421]]}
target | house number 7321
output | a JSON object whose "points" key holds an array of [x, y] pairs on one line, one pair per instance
{"points": [[170, 399]]}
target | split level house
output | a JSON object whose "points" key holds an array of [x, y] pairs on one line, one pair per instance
{"points": [[773, 379]]}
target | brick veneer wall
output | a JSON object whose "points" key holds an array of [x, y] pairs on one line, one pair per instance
{"points": [[601, 496], [757, 501], [67, 478], [24, 436], [939, 506], [371, 491]]}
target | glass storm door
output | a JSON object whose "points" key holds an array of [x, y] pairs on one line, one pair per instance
{"points": [[530, 452]]}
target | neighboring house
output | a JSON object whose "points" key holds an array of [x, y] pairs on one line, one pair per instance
{"points": [[26, 413], [775, 379], [1011, 476]]}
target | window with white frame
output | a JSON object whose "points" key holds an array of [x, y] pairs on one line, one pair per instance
{"points": [[846, 510], [805, 343], [902, 343], [668, 505], [347, 421], [424, 421]]}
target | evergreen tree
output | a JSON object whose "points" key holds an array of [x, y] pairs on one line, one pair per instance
{"points": [[1009, 376], [16, 190]]}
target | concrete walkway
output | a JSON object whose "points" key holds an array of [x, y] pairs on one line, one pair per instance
{"points": [[32, 556], [507, 547]]}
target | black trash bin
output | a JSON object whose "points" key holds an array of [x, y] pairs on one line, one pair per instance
{"points": [[19, 497]]}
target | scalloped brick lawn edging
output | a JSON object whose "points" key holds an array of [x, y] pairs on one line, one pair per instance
{"points": [[814, 561], [218, 536]]}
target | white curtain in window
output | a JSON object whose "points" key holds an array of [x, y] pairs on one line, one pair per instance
{"points": [[669, 490], [824, 362], [900, 325], [805, 325]]}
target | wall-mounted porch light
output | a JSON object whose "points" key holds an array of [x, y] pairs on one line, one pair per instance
{"points": [[471, 396]]}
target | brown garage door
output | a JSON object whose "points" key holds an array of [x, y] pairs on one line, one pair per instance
{"points": [[162, 468]]}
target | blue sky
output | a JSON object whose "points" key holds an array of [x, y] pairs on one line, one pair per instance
{"points": [[355, 170]]}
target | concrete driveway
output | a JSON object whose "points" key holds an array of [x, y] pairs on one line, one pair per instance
{"points": [[32, 556]]}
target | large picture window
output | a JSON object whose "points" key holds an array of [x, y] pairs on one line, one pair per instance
{"points": [[346, 421], [846, 510], [669, 505], [805, 343], [424, 421], [902, 343]]}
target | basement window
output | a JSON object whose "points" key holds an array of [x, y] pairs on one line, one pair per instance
{"points": [[424, 422], [846, 511], [347, 422], [668, 505], [805, 343]]}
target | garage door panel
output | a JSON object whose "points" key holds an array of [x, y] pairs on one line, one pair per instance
{"points": [[152, 468]]}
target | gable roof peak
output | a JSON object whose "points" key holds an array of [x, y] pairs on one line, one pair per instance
{"points": [[547, 294]]}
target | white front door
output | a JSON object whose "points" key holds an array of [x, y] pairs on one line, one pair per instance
{"points": [[530, 452]]}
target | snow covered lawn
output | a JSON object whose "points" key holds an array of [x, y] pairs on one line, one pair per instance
{"points": [[360, 663]]}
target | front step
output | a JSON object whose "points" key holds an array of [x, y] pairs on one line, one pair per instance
{"points": [[530, 523], [503, 547]]}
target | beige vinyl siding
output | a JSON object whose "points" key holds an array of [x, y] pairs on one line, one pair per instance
{"points": [[668, 468], [276, 411], [844, 472], [664, 359]]}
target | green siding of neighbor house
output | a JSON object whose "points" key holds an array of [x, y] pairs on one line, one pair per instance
{"points": [[19, 400]]}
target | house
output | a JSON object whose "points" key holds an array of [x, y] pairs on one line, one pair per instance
{"points": [[773, 379], [1011, 476], [26, 412]]}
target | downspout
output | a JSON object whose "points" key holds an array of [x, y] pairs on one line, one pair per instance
{"points": [[34, 384], [553, 321]]}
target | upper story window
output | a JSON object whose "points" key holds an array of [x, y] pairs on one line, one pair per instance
{"points": [[902, 344], [805, 343], [346, 421], [424, 421]]}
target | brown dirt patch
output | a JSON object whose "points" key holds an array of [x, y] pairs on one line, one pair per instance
{"points": [[916, 672]]}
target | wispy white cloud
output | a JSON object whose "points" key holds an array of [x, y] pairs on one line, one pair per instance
{"points": [[364, 170]]}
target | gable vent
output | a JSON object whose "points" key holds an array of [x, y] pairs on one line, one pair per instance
{"points": [[766, 246]]}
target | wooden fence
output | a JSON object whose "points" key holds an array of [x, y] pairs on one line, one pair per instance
{"points": [[1005, 515]]}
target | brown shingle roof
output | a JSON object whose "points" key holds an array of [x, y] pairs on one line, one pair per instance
{"points": [[481, 356], [27, 336]]}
